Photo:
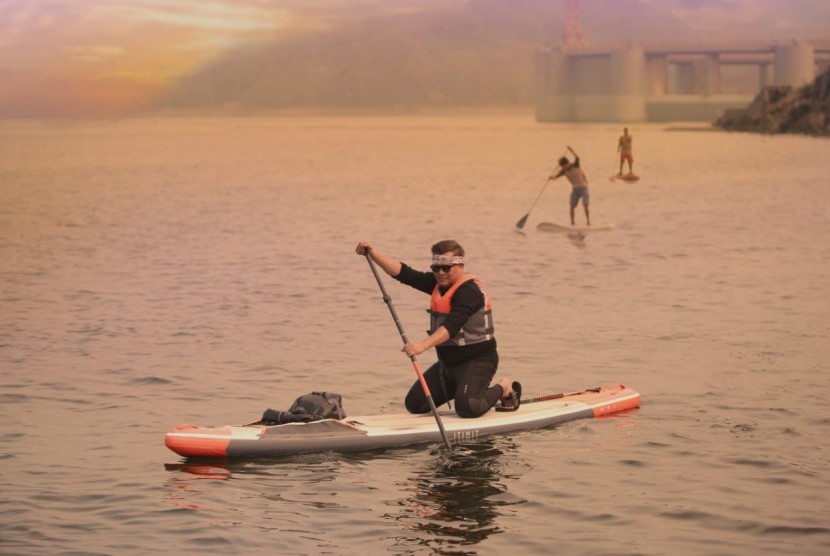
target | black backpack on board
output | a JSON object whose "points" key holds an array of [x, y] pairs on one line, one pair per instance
{"points": [[309, 407], [319, 405]]}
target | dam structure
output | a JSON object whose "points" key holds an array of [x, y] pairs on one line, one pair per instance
{"points": [[637, 84]]}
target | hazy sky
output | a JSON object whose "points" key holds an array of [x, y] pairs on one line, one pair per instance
{"points": [[105, 56], [65, 54]]}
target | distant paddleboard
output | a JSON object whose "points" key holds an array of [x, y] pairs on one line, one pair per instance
{"points": [[562, 228], [626, 177]]}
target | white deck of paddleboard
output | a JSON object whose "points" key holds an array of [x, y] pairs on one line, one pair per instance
{"points": [[394, 424]]}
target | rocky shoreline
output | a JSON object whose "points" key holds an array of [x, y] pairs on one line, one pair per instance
{"points": [[782, 109]]}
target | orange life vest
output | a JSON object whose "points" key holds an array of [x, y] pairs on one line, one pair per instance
{"points": [[478, 328]]}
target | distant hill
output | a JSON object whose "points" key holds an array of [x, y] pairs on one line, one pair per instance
{"points": [[778, 109]]}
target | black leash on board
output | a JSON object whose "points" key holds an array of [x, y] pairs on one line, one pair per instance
{"points": [[560, 395]]}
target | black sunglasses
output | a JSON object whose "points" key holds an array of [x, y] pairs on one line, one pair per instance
{"points": [[444, 267]]}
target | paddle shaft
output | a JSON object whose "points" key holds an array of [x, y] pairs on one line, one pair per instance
{"points": [[388, 300], [521, 223]]}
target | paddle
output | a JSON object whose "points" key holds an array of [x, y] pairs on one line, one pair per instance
{"points": [[523, 220], [415, 364]]}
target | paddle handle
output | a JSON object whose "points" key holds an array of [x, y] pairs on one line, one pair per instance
{"points": [[388, 300]]}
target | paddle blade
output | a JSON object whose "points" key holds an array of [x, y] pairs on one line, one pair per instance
{"points": [[522, 221]]}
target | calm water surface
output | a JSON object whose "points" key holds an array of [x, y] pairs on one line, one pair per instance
{"points": [[167, 271]]}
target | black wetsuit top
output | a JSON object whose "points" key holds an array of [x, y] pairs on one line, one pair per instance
{"points": [[466, 300]]}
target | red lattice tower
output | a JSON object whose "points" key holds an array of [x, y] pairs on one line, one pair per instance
{"points": [[572, 35]]}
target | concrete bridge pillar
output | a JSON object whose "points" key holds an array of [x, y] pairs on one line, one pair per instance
{"points": [[712, 74], [628, 71], [627, 84], [553, 94], [658, 76], [684, 78], [795, 64]]}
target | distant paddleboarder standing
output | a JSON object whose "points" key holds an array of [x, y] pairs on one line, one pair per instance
{"points": [[626, 153], [579, 182]]}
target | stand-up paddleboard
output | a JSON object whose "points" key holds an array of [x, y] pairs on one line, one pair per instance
{"points": [[629, 177], [562, 228], [388, 431]]}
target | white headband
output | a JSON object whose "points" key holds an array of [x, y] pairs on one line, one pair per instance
{"points": [[447, 259]]}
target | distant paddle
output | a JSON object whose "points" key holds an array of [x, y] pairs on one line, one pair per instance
{"points": [[523, 220], [615, 175], [415, 363]]}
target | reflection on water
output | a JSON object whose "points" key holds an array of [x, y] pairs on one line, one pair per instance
{"points": [[577, 239], [196, 479], [183, 487], [449, 499], [454, 500]]}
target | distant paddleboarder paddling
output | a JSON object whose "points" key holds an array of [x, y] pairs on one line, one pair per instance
{"points": [[579, 182]]}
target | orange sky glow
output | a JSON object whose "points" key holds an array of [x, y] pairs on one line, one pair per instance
{"points": [[103, 56]]}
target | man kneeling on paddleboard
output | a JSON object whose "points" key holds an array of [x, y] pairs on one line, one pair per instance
{"points": [[461, 331]]}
